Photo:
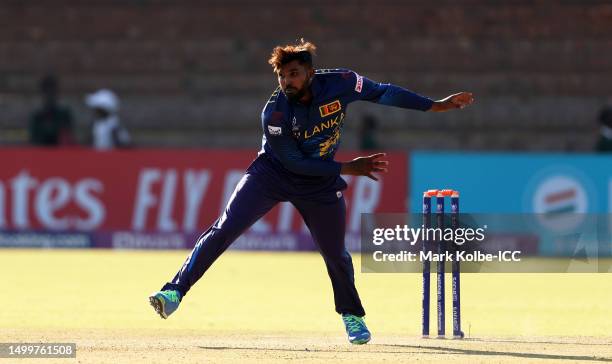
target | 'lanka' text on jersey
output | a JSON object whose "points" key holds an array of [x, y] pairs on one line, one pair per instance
{"points": [[302, 136]]}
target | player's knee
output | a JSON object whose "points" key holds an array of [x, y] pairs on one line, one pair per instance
{"points": [[339, 258]]}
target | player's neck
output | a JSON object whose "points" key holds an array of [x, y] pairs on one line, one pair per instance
{"points": [[307, 98]]}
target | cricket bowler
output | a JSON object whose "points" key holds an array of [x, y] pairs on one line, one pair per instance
{"points": [[302, 126]]}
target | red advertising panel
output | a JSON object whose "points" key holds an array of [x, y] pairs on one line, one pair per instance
{"points": [[155, 193]]}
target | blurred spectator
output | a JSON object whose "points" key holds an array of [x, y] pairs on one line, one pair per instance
{"points": [[604, 144], [106, 130], [51, 124], [367, 133]]}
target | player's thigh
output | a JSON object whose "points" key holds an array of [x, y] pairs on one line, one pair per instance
{"points": [[326, 222], [251, 199]]}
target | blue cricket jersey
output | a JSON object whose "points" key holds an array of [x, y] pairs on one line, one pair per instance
{"points": [[300, 141]]}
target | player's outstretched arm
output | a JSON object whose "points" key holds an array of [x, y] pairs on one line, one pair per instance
{"points": [[454, 101], [365, 166]]}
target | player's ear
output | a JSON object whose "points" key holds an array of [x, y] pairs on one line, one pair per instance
{"points": [[310, 73]]}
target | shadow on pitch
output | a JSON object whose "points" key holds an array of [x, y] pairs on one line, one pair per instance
{"points": [[437, 350], [510, 341], [444, 350], [305, 350]]}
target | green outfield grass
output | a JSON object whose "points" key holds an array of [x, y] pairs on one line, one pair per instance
{"points": [[283, 292], [278, 307]]}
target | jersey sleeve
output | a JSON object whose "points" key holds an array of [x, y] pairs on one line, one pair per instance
{"points": [[285, 149], [362, 88]]}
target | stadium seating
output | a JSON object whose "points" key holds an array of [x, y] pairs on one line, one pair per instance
{"points": [[194, 74]]}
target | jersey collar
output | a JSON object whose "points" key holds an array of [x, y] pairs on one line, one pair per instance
{"points": [[316, 88]]}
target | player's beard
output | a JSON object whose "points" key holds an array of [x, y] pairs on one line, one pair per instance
{"points": [[297, 95]]}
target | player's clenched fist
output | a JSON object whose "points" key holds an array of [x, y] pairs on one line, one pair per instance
{"points": [[462, 99], [365, 166], [454, 101]]}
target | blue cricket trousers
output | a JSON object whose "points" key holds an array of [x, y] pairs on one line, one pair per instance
{"points": [[253, 197]]}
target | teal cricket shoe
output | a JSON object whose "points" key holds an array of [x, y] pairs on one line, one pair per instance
{"points": [[165, 302], [356, 329]]}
